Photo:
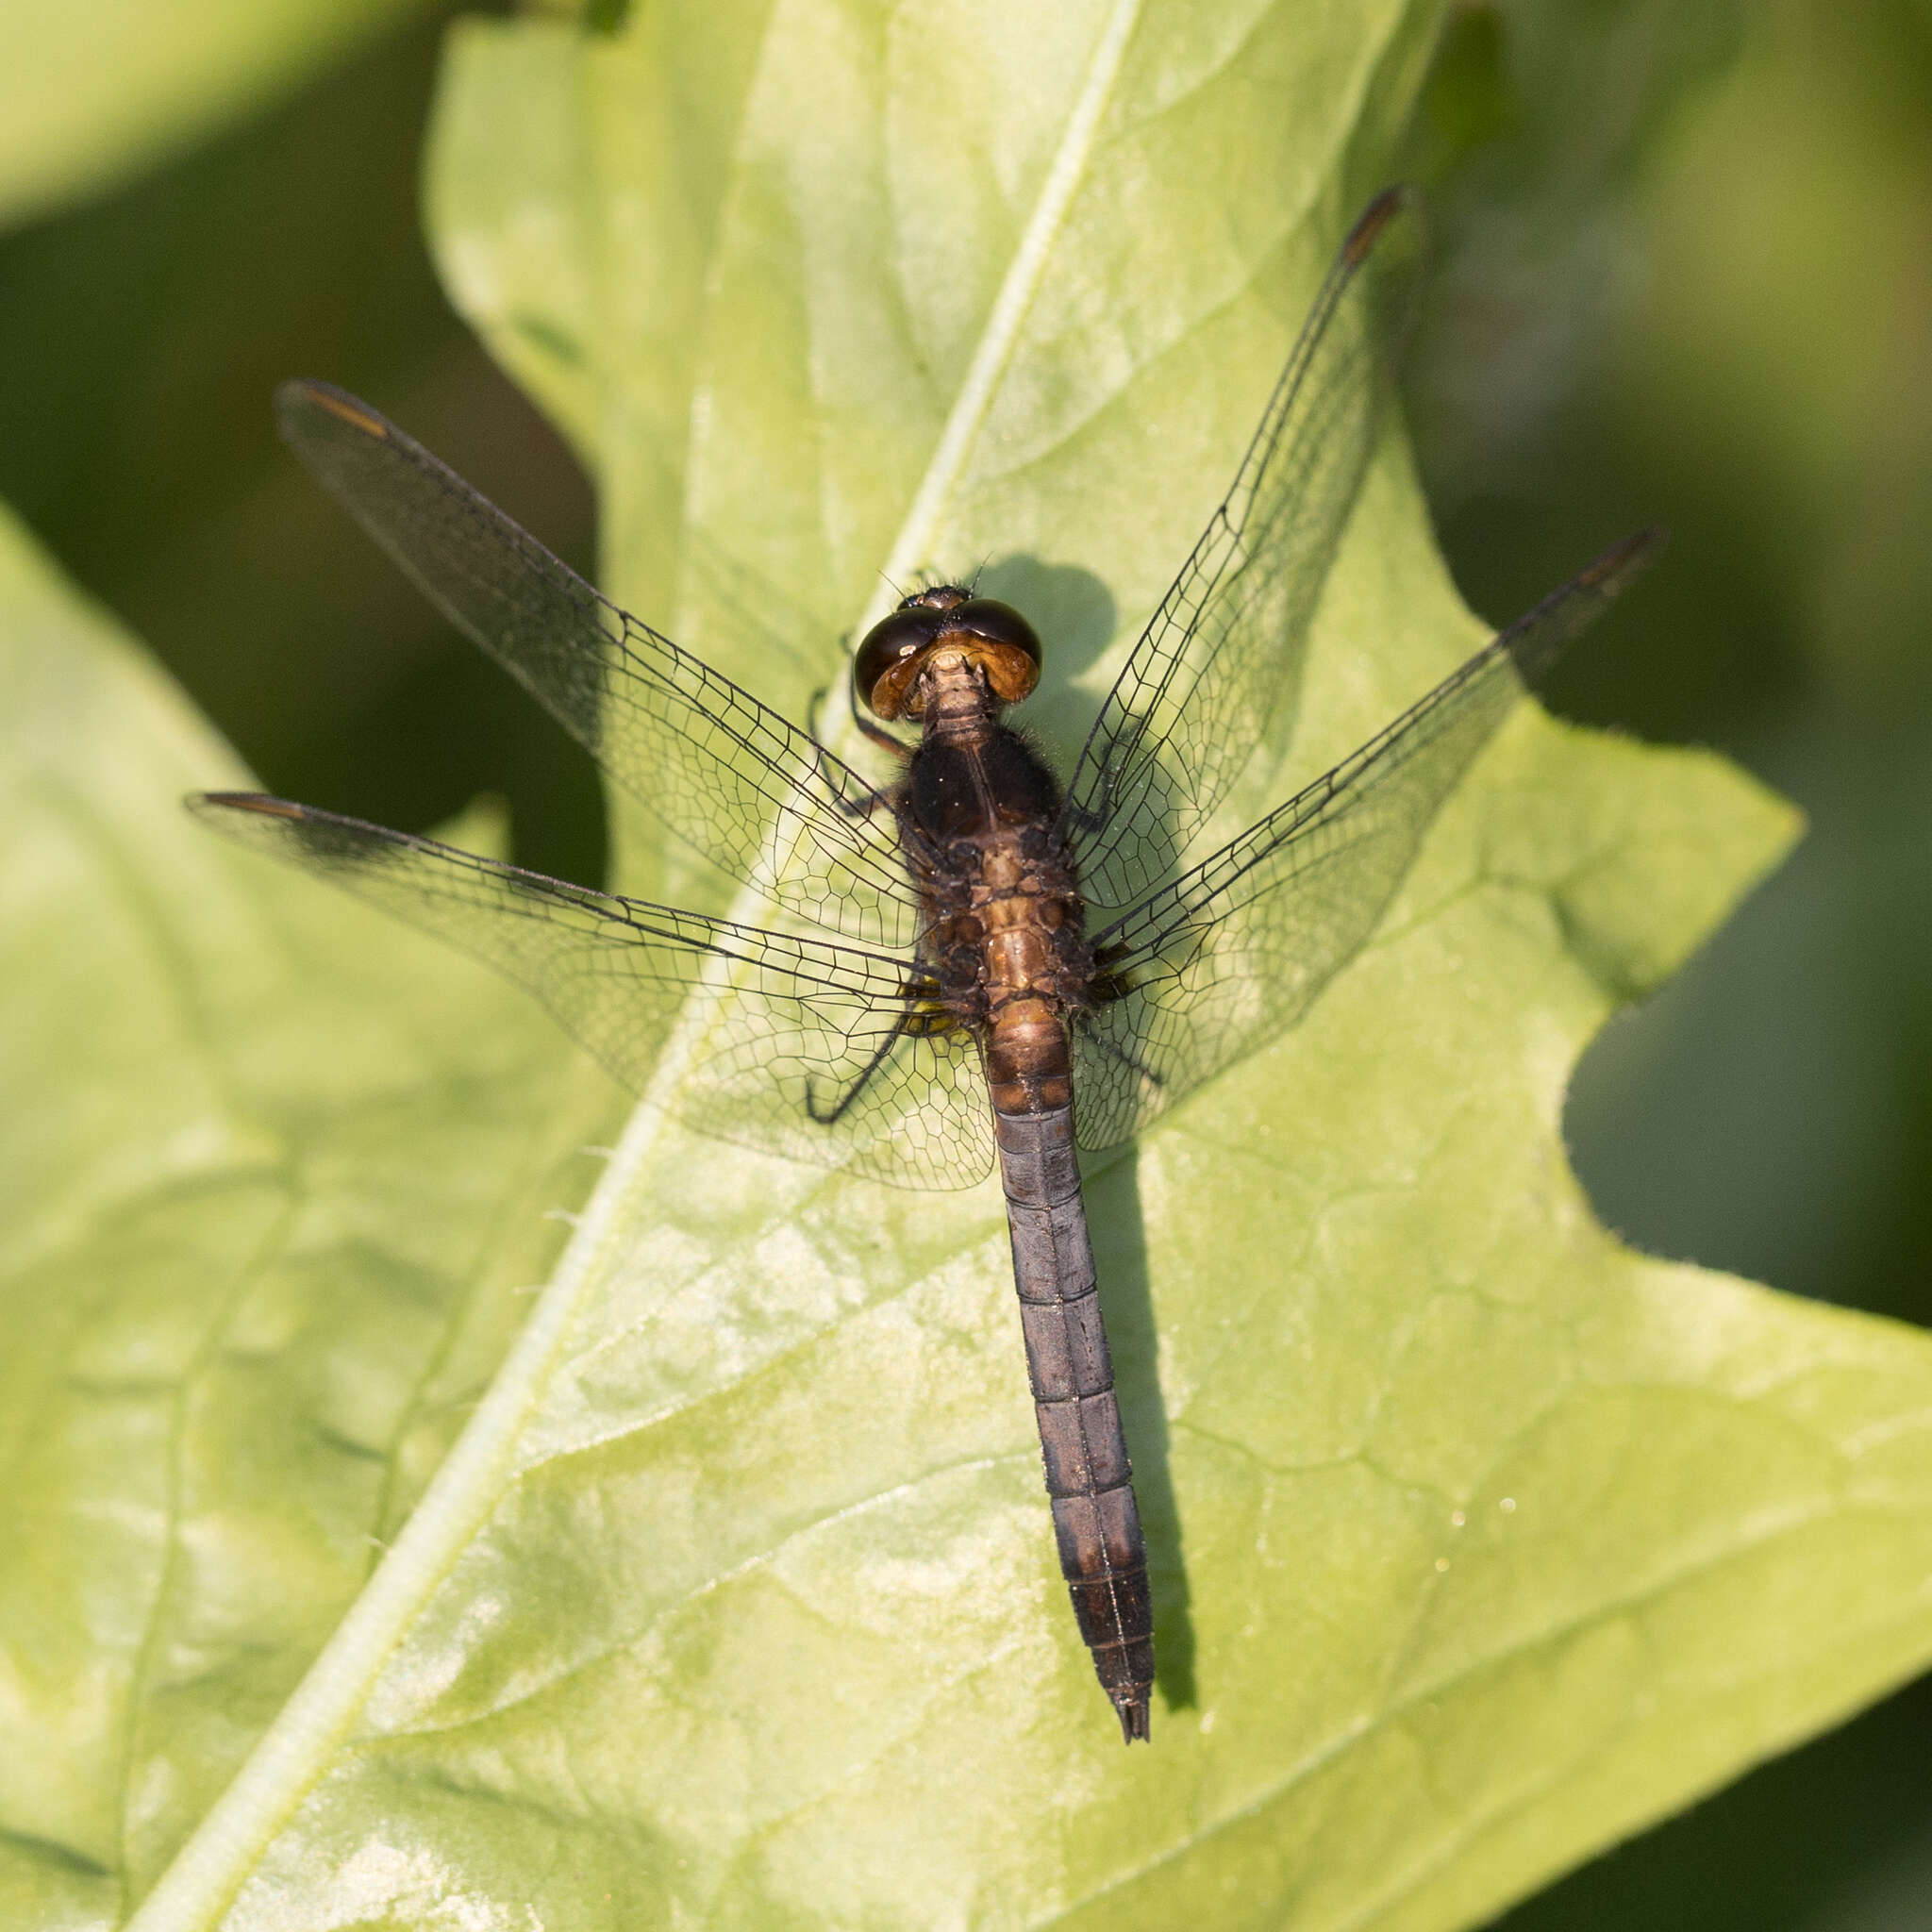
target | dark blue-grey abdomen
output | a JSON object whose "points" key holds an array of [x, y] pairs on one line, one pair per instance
{"points": [[1097, 1522]]}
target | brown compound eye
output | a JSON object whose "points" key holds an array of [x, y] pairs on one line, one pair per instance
{"points": [[1009, 646], [889, 661], [885, 671]]}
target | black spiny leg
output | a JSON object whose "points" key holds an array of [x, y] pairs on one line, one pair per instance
{"points": [[918, 1018], [872, 728], [1126, 1059], [853, 807], [1107, 985]]}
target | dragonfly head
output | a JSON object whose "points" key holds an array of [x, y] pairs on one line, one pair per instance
{"points": [[889, 670]]}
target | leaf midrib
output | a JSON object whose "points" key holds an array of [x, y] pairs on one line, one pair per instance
{"points": [[1000, 337]]}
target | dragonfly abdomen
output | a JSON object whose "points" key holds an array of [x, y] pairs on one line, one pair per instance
{"points": [[1089, 1478], [1012, 962]]}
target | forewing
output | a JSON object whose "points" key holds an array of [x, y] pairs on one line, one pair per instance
{"points": [[790, 1023], [1198, 691], [715, 765], [1207, 967]]}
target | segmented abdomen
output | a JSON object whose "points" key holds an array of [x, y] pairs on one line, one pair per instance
{"points": [[1096, 1521]]}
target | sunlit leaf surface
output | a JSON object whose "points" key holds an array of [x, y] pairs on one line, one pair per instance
{"points": [[1477, 1539], [270, 1174]]}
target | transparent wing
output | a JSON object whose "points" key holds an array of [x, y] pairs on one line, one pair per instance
{"points": [[715, 765], [1196, 695], [1207, 968], [802, 1024]]}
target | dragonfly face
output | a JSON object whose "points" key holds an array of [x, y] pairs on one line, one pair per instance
{"points": [[979, 965], [889, 670]]}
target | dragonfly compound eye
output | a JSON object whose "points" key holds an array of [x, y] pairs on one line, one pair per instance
{"points": [[885, 671]]}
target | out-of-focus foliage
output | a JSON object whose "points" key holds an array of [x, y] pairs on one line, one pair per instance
{"points": [[1687, 273], [93, 90], [142, 338]]}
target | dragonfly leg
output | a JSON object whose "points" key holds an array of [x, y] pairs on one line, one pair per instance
{"points": [[1109, 983], [918, 1018], [868, 802], [1090, 819], [1126, 1059], [1078, 819], [871, 728]]}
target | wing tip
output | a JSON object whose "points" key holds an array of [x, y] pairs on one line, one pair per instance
{"points": [[303, 393], [1625, 557], [260, 801], [257, 803], [1399, 198]]}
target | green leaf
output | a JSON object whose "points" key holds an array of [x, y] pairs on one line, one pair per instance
{"points": [[1478, 1540], [270, 1174], [95, 90]]}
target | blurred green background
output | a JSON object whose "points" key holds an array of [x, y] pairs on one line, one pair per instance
{"points": [[1684, 274]]}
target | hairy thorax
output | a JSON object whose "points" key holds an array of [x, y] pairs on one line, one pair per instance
{"points": [[1003, 906]]}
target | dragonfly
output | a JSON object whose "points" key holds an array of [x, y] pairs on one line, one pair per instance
{"points": [[972, 965]]}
